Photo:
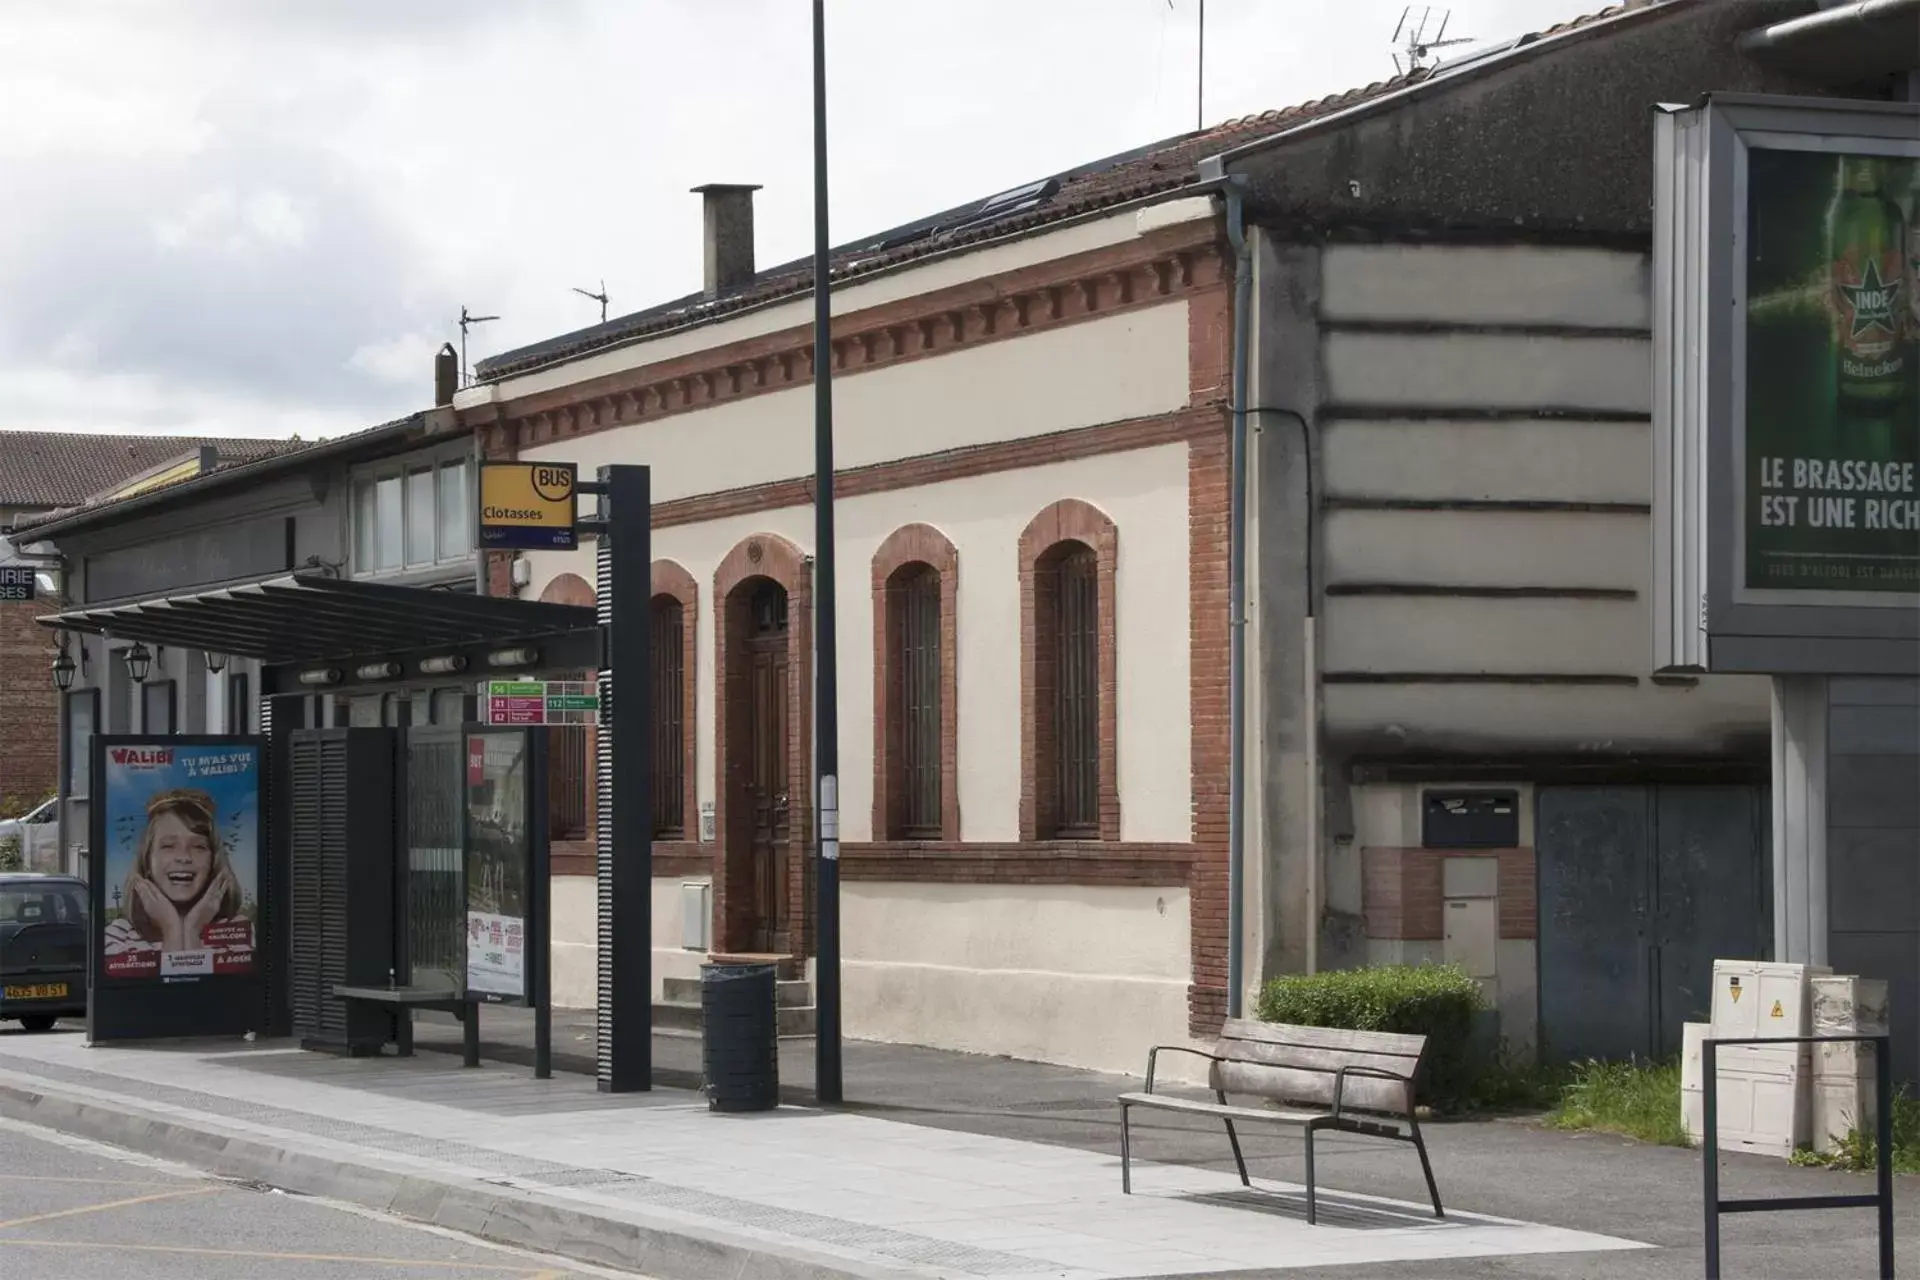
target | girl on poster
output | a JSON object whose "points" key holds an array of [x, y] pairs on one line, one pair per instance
{"points": [[181, 882]]}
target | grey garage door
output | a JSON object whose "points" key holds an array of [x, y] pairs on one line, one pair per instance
{"points": [[1641, 889]]}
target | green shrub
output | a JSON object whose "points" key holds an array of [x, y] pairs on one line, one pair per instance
{"points": [[1436, 1001], [10, 855]]}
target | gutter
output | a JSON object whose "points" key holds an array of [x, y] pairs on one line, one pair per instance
{"points": [[1234, 191], [155, 499], [1836, 21]]}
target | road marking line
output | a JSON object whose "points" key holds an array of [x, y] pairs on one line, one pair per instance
{"points": [[111, 1204], [92, 1182], [494, 1268]]}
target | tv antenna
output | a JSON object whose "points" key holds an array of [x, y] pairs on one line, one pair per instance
{"points": [[1421, 37], [600, 297], [1200, 71], [466, 322]]}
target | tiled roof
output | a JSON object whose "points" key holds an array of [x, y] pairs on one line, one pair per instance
{"points": [[1152, 170], [44, 469]]}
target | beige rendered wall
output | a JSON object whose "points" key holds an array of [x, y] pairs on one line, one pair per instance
{"points": [[1144, 492], [1090, 977]]}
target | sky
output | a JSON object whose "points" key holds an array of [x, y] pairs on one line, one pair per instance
{"points": [[262, 217]]}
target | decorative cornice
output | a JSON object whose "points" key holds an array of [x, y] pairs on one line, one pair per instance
{"points": [[1149, 271]]}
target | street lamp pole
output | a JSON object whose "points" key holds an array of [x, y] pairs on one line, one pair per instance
{"points": [[826, 740]]}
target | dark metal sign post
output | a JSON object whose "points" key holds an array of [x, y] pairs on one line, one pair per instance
{"points": [[826, 711], [1881, 1199], [624, 771]]}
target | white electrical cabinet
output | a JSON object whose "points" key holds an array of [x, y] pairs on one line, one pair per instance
{"points": [[1762, 1096], [1691, 1109], [1841, 1095]]}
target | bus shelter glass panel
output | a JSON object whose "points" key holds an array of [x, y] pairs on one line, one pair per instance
{"points": [[436, 906]]}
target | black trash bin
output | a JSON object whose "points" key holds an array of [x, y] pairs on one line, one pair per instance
{"points": [[742, 1051]]}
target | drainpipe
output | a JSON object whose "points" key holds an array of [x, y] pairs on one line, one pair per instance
{"points": [[1234, 192]]}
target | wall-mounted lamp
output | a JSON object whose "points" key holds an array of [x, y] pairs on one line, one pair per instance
{"points": [[320, 675], [63, 669], [524, 657], [377, 671], [216, 662], [452, 664], [139, 662]]}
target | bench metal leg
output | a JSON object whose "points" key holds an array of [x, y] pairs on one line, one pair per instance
{"points": [[403, 1031], [1312, 1209], [1126, 1172], [1238, 1160], [1426, 1167]]}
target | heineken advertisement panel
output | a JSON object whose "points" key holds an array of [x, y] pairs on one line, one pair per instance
{"points": [[1787, 396]]}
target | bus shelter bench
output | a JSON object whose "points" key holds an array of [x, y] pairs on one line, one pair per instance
{"points": [[406, 999], [1316, 1078]]}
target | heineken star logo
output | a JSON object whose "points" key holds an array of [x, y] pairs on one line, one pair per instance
{"points": [[1871, 301]]}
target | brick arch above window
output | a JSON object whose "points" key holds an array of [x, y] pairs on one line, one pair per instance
{"points": [[568, 588], [907, 549], [762, 555], [671, 578], [1049, 534], [676, 591]]}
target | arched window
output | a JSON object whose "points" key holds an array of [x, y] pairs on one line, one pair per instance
{"points": [[669, 724], [913, 601], [1069, 675], [1071, 637], [916, 574]]}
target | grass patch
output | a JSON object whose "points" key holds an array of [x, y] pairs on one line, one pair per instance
{"points": [[1857, 1152], [1635, 1099]]}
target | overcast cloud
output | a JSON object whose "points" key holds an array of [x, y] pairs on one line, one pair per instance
{"points": [[261, 217]]}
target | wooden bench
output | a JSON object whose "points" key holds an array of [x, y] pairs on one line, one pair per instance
{"points": [[1319, 1077]]}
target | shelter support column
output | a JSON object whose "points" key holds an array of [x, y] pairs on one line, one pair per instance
{"points": [[624, 795], [1800, 819]]}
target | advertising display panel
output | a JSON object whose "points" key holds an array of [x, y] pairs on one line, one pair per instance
{"points": [[1787, 386]]}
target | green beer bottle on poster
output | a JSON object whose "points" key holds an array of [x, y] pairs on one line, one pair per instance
{"points": [[1867, 268]]}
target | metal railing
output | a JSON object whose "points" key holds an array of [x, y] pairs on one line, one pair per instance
{"points": [[1881, 1199]]}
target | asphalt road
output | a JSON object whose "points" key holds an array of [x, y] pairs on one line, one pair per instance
{"points": [[75, 1210]]}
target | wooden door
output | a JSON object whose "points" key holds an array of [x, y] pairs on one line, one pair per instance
{"points": [[769, 779]]}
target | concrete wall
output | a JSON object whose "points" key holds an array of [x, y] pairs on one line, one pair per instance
{"points": [[1873, 845], [1082, 975], [1477, 450], [1387, 817]]}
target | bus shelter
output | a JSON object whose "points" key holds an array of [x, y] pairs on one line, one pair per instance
{"points": [[395, 860]]}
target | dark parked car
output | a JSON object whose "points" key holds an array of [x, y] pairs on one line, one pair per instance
{"points": [[43, 948]]}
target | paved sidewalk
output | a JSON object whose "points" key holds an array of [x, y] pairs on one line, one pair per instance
{"points": [[657, 1182]]}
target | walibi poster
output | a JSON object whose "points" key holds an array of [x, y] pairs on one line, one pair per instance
{"points": [[182, 860], [1832, 372]]}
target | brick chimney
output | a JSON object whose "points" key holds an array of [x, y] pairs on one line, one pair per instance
{"points": [[728, 235], [446, 374]]}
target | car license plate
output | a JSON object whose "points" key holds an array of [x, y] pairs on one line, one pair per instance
{"points": [[44, 991]]}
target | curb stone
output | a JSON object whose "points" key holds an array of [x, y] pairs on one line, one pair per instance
{"points": [[505, 1215]]}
